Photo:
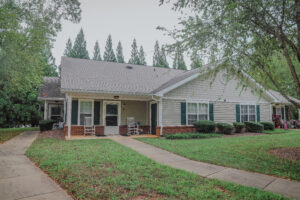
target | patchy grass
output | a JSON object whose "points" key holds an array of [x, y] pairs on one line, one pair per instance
{"points": [[8, 133], [192, 136], [103, 169], [275, 131], [248, 153]]}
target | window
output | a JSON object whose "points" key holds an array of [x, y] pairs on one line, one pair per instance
{"points": [[248, 113], [85, 110], [196, 111]]}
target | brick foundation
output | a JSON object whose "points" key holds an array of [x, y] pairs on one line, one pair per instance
{"points": [[123, 129], [176, 129], [79, 130]]}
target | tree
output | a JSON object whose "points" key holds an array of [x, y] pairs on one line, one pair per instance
{"points": [[156, 55], [142, 56], [79, 49], [97, 55], [134, 59], [109, 54], [245, 36], [196, 60], [163, 58], [120, 56], [27, 31], [178, 62], [68, 49]]}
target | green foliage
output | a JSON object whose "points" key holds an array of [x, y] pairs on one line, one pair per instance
{"points": [[268, 125], [109, 54], [97, 55], [159, 56], [103, 169], [79, 49], [120, 56], [9, 133], [191, 136], [69, 48], [196, 60], [142, 56], [205, 126], [46, 125], [135, 59], [224, 128], [238, 126], [27, 32], [178, 62], [254, 127], [247, 153], [163, 58]]}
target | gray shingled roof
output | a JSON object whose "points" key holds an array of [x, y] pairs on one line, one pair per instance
{"points": [[281, 98], [109, 77], [50, 89]]}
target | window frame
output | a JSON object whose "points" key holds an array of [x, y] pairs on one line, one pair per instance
{"points": [[248, 111], [197, 113], [79, 112]]}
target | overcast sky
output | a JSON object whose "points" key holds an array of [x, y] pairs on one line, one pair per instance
{"points": [[124, 20]]}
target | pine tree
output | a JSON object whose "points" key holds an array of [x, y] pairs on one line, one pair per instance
{"points": [[196, 60], [119, 52], [97, 55], [142, 56], [178, 62], [134, 54], [163, 58], [156, 55], [68, 49], [79, 49], [109, 54]]}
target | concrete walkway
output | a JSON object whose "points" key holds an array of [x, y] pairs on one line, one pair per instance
{"points": [[277, 185], [20, 178]]}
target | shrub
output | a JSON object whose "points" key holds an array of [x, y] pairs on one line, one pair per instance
{"points": [[254, 127], [190, 136], [238, 126], [46, 125], [224, 128], [205, 126], [268, 125]]}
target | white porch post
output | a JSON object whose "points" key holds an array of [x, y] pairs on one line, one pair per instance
{"points": [[46, 110], [64, 117], [160, 109], [69, 99]]}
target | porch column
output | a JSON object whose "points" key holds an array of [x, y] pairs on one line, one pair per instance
{"points": [[160, 108], [46, 110], [64, 117], [69, 104]]}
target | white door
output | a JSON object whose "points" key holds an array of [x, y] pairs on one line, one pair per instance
{"points": [[112, 113]]}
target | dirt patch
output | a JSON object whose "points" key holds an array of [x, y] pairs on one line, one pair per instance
{"points": [[57, 134], [243, 134], [292, 153]]}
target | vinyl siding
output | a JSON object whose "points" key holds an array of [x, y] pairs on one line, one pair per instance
{"points": [[136, 109], [265, 112], [171, 112]]}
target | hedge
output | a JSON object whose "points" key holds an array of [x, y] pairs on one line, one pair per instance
{"points": [[46, 125], [190, 136], [224, 128], [238, 126], [254, 127], [205, 126], [268, 125]]}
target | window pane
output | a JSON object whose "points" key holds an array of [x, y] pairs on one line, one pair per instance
{"points": [[111, 109], [202, 117], [244, 109], [55, 110], [192, 108], [191, 119], [82, 116], [86, 107], [203, 109], [252, 118], [252, 109], [244, 118]]}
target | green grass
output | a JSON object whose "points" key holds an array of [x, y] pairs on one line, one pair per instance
{"points": [[248, 153], [103, 169], [192, 136], [8, 133], [275, 131]]}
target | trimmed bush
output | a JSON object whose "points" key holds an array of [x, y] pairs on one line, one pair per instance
{"points": [[46, 125], [224, 128], [254, 127], [205, 126], [238, 126], [190, 136], [268, 125]]}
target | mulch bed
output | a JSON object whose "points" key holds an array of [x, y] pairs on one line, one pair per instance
{"points": [[292, 153], [243, 134], [57, 134]]}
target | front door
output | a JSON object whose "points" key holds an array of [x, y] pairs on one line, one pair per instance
{"points": [[153, 118], [111, 118]]}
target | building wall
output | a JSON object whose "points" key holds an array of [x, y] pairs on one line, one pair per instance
{"points": [[137, 109]]}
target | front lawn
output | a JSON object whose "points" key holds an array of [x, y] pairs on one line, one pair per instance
{"points": [[248, 153], [8, 133], [103, 169], [275, 131]]}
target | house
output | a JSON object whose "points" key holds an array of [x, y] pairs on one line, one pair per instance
{"points": [[162, 100]]}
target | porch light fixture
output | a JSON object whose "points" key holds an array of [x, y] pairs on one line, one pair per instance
{"points": [[116, 97]]}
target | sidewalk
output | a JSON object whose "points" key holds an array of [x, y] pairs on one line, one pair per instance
{"points": [[285, 187], [20, 178]]}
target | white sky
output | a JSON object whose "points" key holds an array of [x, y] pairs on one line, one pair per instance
{"points": [[124, 20]]}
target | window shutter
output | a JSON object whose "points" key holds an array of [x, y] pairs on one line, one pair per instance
{"points": [[211, 111], [237, 112], [96, 112], [258, 113], [183, 113], [74, 117], [287, 112]]}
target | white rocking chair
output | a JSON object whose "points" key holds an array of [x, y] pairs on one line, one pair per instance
{"points": [[133, 127], [89, 128]]}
